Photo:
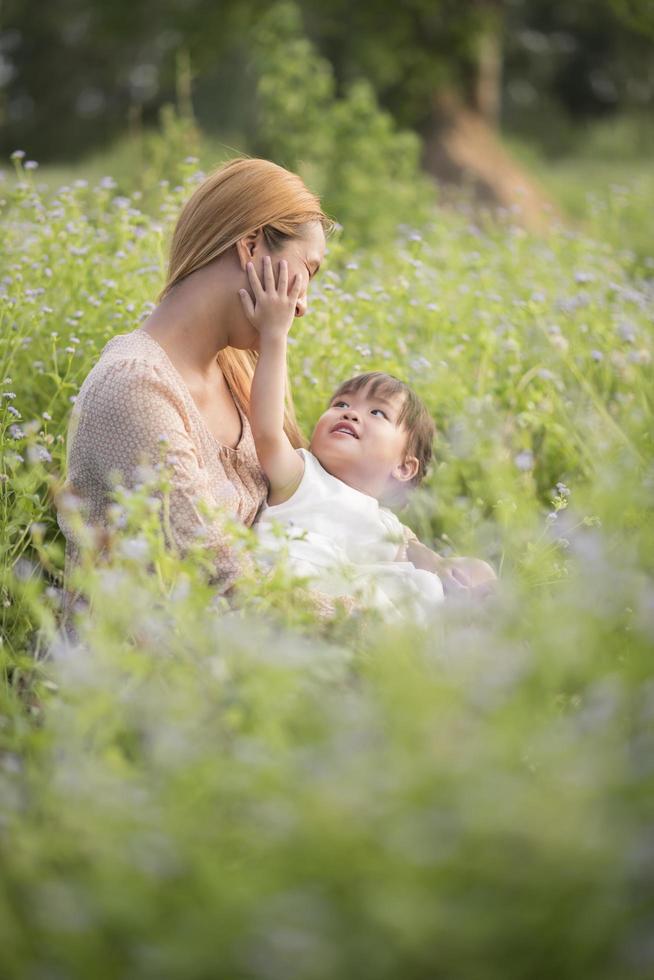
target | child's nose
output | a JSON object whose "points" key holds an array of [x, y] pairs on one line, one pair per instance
{"points": [[350, 413]]}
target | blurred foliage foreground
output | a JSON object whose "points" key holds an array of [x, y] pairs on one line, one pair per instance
{"points": [[192, 792]]}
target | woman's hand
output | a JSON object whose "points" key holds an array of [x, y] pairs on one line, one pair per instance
{"points": [[273, 309]]}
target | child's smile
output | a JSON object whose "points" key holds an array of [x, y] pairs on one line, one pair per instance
{"points": [[344, 428]]}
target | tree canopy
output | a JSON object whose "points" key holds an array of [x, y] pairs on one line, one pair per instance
{"points": [[71, 77]]}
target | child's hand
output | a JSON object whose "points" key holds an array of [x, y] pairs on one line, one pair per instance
{"points": [[273, 309], [470, 576]]}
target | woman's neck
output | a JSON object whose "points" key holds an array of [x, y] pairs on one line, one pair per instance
{"points": [[191, 322]]}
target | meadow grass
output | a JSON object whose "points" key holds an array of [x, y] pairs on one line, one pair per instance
{"points": [[192, 791]]}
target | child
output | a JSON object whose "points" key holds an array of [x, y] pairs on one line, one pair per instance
{"points": [[368, 448]]}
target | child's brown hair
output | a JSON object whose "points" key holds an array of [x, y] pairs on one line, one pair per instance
{"points": [[414, 416]]}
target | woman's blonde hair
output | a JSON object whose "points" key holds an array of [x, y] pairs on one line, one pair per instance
{"points": [[233, 201]]}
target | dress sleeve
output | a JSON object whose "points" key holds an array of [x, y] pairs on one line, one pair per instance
{"points": [[127, 415]]}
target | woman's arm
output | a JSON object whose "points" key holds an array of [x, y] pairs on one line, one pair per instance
{"points": [[272, 314], [132, 416]]}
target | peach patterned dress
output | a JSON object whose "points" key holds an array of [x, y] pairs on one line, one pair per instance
{"points": [[132, 397]]}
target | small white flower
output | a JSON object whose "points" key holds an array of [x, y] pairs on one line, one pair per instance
{"points": [[37, 530], [116, 515], [627, 331], [136, 549], [525, 460], [38, 454], [24, 570], [561, 343], [181, 590]]}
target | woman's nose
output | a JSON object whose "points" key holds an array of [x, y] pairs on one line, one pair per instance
{"points": [[301, 305]]}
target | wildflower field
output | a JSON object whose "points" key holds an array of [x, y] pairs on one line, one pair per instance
{"points": [[188, 792]]}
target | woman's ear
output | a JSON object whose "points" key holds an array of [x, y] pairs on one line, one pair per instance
{"points": [[407, 469], [246, 246]]}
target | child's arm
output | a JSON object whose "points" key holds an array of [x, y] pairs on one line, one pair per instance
{"points": [[272, 314]]}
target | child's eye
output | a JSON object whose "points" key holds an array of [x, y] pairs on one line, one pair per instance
{"points": [[340, 404], [380, 410]]}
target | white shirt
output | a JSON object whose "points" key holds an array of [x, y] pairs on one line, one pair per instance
{"points": [[346, 542]]}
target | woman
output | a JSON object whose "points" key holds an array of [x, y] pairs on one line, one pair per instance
{"points": [[184, 375]]}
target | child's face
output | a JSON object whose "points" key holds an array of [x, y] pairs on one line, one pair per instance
{"points": [[359, 441]]}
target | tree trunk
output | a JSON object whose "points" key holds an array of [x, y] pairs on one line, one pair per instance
{"points": [[488, 83], [462, 150]]}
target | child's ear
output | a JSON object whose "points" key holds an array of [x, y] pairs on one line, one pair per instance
{"points": [[245, 247], [407, 469]]}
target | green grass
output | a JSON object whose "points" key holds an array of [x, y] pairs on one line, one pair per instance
{"points": [[603, 180], [189, 793]]}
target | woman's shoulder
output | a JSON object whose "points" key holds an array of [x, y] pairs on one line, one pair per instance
{"points": [[129, 359], [131, 377], [138, 346]]}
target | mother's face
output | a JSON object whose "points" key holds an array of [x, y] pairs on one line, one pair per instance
{"points": [[303, 254]]}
